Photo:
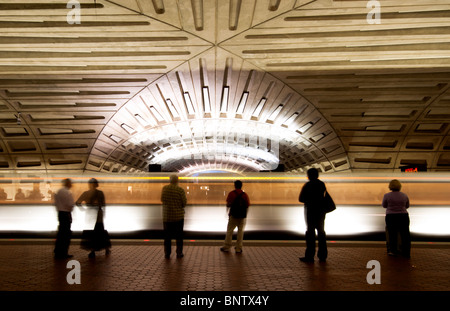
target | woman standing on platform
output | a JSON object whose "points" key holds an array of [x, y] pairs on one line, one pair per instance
{"points": [[396, 204], [97, 239]]}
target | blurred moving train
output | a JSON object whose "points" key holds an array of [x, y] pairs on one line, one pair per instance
{"points": [[133, 203]]}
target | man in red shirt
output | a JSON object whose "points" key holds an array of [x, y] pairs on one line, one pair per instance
{"points": [[238, 202]]}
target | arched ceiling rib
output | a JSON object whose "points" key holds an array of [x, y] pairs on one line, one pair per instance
{"points": [[331, 90]]}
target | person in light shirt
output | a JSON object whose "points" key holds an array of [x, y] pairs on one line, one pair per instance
{"points": [[396, 204], [64, 204]]}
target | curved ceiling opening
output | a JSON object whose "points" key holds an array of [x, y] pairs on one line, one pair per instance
{"points": [[234, 118]]}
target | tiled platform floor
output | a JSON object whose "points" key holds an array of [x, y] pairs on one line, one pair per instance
{"points": [[28, 265]]}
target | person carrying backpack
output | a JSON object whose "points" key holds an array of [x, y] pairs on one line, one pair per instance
{"points": [[238, 202]]}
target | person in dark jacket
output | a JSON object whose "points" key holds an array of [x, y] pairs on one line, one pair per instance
{"points": [[312, 195], [98, 238]]}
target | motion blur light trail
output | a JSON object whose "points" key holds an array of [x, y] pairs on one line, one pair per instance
{"points": [[133, 203]]}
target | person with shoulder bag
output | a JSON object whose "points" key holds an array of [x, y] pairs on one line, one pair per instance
{"points": [[317, 204], [97, 239]]}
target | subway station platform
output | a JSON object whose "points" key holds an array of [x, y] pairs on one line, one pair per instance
{"points": [[27, 265]]}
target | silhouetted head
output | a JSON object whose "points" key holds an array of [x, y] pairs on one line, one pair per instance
{"points": [[93, 183], [173, 179], [67, 183], [238, 184], [395, 185], [313, 173]]}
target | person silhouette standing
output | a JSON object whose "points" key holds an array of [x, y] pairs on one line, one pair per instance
{"points": [[396, 204], [238, 202], [173, 200], [312, 195], [98, 238], [64, 205]]}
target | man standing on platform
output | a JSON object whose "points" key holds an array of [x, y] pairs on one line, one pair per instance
{"points": [[312, 195], [238, 202], [174, 200], [64, 205]]}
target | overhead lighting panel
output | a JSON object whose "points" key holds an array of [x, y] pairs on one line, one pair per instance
{"points": [[305, 127], [157, 115], [206, 100], [224, 103], [308, 125], [275, 113], [127, 128], [259, 108], [114, 138], [291, 119], [141, 120], [172, 109], [242, 103], [188, 102]]}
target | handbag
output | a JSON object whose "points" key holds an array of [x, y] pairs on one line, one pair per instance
{"points": [[328, 203], [98, 238]]}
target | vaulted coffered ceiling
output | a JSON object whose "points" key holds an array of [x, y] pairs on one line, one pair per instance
{"points": [[223, 84]]}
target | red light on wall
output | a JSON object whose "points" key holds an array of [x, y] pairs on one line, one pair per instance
{"points": [[411, 170]]}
